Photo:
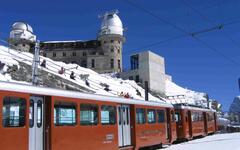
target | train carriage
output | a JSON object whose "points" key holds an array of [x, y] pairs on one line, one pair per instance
{"points": [[193, 121], [38, 118]]}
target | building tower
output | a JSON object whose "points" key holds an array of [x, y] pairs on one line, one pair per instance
{"points": [[112, 39], [21, 37]]}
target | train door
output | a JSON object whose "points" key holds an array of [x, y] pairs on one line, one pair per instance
{"points": [[36, 123], [189, 123], [168, 135], [124, 129], [215, 122], [205, 120]]}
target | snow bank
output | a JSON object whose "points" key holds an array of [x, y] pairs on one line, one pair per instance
{"points": [[179, 94], [229, 141], [223, 122]]}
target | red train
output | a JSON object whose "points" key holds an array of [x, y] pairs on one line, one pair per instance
{"points": [[38, 118]]}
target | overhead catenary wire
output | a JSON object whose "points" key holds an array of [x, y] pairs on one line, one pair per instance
{"points": [[181, 30], [217, 27], [210, 21]]}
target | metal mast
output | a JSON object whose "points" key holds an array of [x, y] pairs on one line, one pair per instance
{"points": [[35, 64]]}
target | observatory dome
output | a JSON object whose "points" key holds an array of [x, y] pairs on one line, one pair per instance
{"points": [[22, 30], [22, 26], [111, 24]]}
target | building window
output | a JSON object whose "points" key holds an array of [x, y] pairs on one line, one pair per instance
{"points": [[74, 54], [112, 49], [64, 54], [112, 63], [119, 64], [112, 41], [93, 63], [93, 53], [119, 41], [118, 50], [64, 114], [84, 63], [108, 115], [88, 114], [131, 78], [151, 114], [54, 54], [84, 54], [104, 42], [15, 45], [137, 78], [134, 62], [23, 45], [140, 116], [13, 111]]}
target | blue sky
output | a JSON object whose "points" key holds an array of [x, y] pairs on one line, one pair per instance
{"points": [[191, 63]]}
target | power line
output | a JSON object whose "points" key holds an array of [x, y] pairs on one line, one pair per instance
{"points": [[219, 27], [180, 29], [209, 21]]}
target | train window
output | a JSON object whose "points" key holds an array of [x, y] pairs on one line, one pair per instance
{"points": [[196, 116], [177, 117], [108, 115], [161, 116], [39, 114], [173, 116], [31, 114], [140, 116], [14, 109], [64, 114], [88, 114], [210, 117], [151, 115]]}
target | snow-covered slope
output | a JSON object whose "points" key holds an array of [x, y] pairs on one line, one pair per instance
{"points": [[179, 94], [97, 82]]}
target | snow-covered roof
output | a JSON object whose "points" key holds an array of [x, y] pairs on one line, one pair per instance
{"points": [[23, 88], [68, 41], [188, 107]]}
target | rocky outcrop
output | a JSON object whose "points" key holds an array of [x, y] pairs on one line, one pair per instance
{"points": [[24, 73]]}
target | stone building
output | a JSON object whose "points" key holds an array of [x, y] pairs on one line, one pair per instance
{"points": [[103, 54], [21, 37], [150, 67]]}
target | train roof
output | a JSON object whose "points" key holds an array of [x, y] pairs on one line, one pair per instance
{"points": [[24, 88], [192, 107]]}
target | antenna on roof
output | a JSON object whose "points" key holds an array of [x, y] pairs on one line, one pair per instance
{"points": [[108, 13], [35, 64]]}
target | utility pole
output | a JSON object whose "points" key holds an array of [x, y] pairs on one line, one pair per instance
{"points": [[146, 90], [35, 64]]}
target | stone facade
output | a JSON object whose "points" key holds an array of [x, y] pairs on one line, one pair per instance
{"points": [[103, 55]]}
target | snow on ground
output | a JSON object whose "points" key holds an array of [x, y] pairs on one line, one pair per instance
{"points": [[97, 81], [227, 141], [179, 94]]}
